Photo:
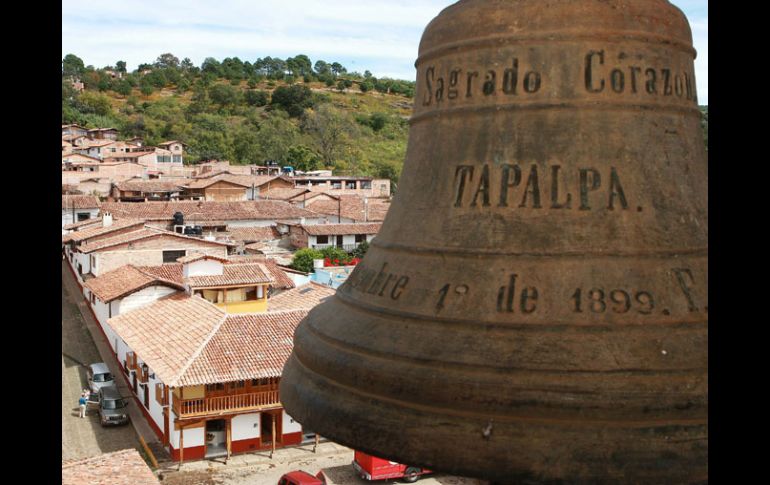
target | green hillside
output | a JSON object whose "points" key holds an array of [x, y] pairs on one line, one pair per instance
{"points": [[310, 117]]}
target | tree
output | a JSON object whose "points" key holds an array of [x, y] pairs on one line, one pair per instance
{"points": [[120, 66], [72, 66], [303, 158], [292, 99], [122, 87], [186, 64], [360, 250], [322, 68], [330, 130], [224, 95], [96, 103], [299, 65], [211, 65], [303, 259], [338, 68], [276, 136], [256, 98], [167, 60]]}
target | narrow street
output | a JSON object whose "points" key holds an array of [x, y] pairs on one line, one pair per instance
{"points": [[82, 438]]}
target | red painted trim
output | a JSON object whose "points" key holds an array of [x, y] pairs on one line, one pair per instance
{"points": [[241, 446], [190, 452], [290, 439]]}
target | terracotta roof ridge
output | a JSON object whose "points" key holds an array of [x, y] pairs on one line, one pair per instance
{"points": [[155, 277], [194, 356]]}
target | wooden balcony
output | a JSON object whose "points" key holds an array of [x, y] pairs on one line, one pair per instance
{"points": [[229, 404]]}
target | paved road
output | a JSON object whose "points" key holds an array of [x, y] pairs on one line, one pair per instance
{"points": [[259, 469], [82, 438]]}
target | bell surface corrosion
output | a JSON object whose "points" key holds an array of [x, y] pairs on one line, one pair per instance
{"points": [[534, 308]]}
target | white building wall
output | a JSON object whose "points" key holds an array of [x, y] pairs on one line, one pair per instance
{"points": [[101, 310], [204, 267], [156, 410], [298, 279], [245, 427], [289, 425], [192, 436], [144, 297], [85, 261]]}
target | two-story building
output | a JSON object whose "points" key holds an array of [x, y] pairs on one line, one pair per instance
{"points": [[76, 208], [139, 190], [207, 381], [343, 236]]}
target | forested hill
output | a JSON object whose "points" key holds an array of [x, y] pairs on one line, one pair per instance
{"points": [[309, 115]]}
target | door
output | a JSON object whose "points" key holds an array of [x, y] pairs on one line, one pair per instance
{"points": [[133, 381], [146, 395], [339, 241], [266, 428]]}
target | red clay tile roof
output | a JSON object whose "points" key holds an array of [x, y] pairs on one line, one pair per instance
{"points": [[351, 207], [249, 346], [144, 233], [265, 271], [124, 281], [87, 233], [302, 297], [150, 186], [196, 256], [169, 272], [202, 183], [169, 334], [80, 202], [253, 234], [83, 224], [283, 193], [188, 341], [195, 211], [342, 229], [125, 467], [234, 275]]}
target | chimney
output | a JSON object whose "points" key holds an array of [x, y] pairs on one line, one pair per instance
{"points": [[302, 221], [107, 219]]}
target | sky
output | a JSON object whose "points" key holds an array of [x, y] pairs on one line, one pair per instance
{"points": [[381, 36]]}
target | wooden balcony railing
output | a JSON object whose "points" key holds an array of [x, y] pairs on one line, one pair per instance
{"points": [[226, 404]]}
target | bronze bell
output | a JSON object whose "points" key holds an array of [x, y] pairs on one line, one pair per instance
{"points": [[534, 308]]}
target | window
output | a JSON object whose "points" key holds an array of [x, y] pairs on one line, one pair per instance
{"points": [[360, 238], [177, 158], [172, 256], [83, 216], [112, 150], [322, 239], [366, 184], [350, 185]]}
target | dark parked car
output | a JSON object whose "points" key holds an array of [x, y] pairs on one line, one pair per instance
{"points": [[112, 407]]}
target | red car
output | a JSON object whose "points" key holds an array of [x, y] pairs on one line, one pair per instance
{"points": [[372, 468], [302, 478]]}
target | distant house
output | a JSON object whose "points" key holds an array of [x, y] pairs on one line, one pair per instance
{"points": [[76, 208], [176, 148], [219, 189], [144, 246], [103, 134], [139, 190], [208, 380], [73, 130], [343, 236], [364, 186], [350, 208]]}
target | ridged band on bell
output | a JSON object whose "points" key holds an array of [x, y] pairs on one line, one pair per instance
{"points": [[535, 305]]}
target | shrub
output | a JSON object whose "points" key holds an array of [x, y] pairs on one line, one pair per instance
{"points": [[303, 259]]}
